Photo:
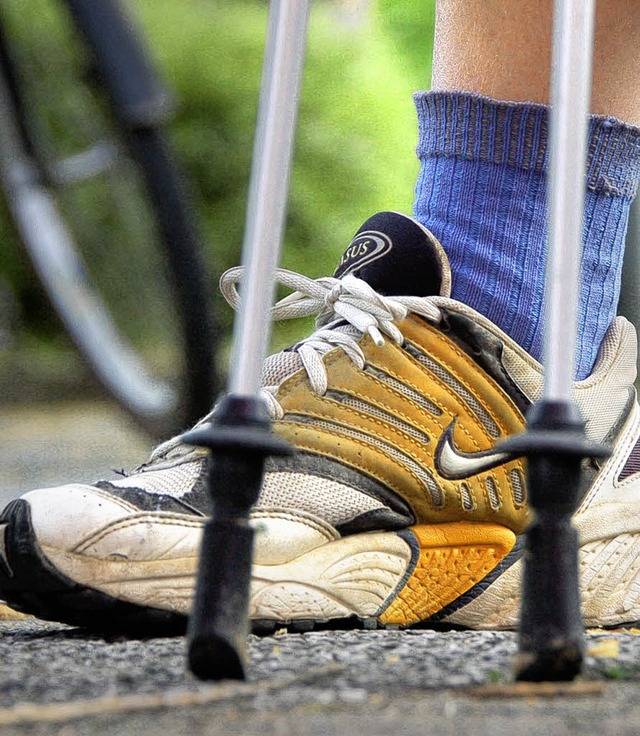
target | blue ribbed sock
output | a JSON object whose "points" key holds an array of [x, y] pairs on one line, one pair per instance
{"points": [[482, 192]]}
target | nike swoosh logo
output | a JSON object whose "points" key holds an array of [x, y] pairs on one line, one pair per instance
{"points": [[455, 464]]}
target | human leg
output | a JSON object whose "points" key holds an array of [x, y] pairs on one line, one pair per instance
{"points": [[502, 50]]}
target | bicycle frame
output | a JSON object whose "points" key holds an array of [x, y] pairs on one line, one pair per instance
{"points": [[138, 97], [138, 104]]}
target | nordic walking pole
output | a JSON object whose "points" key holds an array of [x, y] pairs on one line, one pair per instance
{"points": [[239, 436], [551, 628]]}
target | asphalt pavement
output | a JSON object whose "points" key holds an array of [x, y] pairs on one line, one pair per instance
{"points": [[62, 681]]}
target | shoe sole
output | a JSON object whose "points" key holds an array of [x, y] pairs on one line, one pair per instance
{"points": [[609, 580], [373, 580]]}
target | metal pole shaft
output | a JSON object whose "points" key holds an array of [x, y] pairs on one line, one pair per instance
{"points": [[573, 45], [239, 435], [268, 191], [551, 630]]}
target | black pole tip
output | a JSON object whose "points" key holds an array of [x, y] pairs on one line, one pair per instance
{"points": [[555, 664], [214, 658]]}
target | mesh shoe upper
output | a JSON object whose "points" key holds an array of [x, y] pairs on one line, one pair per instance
{"points": [[366, 398], [394, 404]]}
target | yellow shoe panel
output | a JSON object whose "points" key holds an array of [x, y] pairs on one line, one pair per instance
{"points": [[453, 558], [371, 426]]}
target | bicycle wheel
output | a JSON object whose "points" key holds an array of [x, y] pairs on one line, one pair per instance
{"points": [[100, 209]]}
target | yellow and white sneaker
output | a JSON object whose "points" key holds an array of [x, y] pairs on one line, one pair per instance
{"points": [[396, 508]]}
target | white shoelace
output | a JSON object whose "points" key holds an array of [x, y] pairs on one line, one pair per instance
{"points": [[337, 302], [347, 309]]}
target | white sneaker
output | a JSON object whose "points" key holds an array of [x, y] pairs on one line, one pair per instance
{"points": [[396, 508]]}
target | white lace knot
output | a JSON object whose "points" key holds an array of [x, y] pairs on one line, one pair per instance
{"points": [[346, 309]]}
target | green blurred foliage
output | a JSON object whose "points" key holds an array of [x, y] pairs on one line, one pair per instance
{"points": [[409, 26], [356, 134]]}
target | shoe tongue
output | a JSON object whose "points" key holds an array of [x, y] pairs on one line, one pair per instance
{"points": [[397, 256]]}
